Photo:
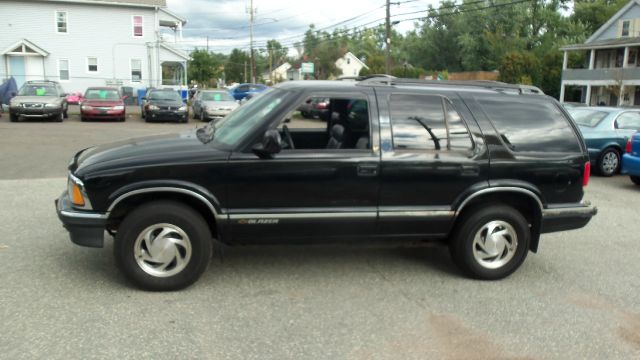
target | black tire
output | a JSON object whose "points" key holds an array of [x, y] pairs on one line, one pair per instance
{"points": [[202, 118], [162, 213], [635, 179], [83, 119], [304, 114], [476, 221], [122, 119], [66, 112], [142, 113], [13, 117], [59, 117], [609, 162]]}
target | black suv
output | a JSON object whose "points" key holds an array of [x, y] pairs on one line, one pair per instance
{"points": [[485, 167]]}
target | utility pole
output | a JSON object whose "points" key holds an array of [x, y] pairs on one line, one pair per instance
{"points": [[387, 51], [207, 43], [252, 12], [245, 71]]}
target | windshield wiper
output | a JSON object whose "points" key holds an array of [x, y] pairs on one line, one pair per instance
{"points": [[420, 120]]}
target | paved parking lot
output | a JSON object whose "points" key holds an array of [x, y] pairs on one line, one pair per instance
{"points": [[577, 298]]}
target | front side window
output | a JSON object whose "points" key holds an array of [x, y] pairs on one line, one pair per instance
{"points": [[136, 70], [63, 69], [138, 23], [531, 125], [92, 64], [625, 27], [427, 122], [61, 22]]}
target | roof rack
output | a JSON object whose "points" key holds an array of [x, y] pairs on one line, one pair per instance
{"points": [[487, 84]]}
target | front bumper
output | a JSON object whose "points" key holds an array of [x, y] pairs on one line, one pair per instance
{"points": [[34, 112], [216, 114], [85, 228], [166, 115], [630, 165], [102, 114], [567, 216]]}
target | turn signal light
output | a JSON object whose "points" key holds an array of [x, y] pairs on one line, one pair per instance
{"points": [[76, 196], [586, 174]]}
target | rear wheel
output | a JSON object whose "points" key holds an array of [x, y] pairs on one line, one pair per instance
{"points": [[490, 243], [635, 179], [163, 246], [609, 162]]}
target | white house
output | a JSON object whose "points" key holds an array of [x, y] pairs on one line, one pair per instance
{"points": [[610, 71], [350, 65], [83, 43], [279, 73]]}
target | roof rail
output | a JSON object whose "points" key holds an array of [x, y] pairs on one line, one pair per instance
{"points": [[488, 84], [41, 81]]}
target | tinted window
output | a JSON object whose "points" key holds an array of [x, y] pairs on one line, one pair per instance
{"points": [[587, 117], [628, 121], [418, 122], [530, 125]]}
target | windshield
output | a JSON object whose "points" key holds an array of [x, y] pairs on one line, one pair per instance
{"points": [[38, 90], [102, 94], [587, 117], [240, 122], [217, 96], [165, 95]]}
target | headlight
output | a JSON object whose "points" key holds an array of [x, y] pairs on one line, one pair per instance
{"points": [[153, 107], [87, 107], [14, 102], [182, 108], [118, 107], [77, 194], [52, 105]]}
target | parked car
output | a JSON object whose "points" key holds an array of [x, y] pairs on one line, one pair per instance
{"points": [[103, 103], [316, 107], [165, 105], [75, 98], [143, 101], [42, 99], [213, 104], [483, 167], [242, 90], [631, 159], [606, 131]]}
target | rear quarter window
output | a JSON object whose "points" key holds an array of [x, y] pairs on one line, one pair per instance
{"points": [[527, 124]]}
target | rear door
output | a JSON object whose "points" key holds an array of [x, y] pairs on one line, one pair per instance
{"points": [[432, 153]]}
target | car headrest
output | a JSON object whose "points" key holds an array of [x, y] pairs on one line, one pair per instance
{"points": [[337, 132]]}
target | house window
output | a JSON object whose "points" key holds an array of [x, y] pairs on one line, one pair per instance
{"points": [[136, 70], [633, 53], [61, 22], [348, 61], [625, 28], [137, 26], [92, 64], [63, 69]]}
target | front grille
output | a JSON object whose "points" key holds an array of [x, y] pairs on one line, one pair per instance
{"points": [[168, 108], [104, 108], [33, 106]]}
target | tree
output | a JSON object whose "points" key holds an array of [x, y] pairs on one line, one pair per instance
{"points": [[519, 67], [203, 67], [235, 66], [594, 13]]}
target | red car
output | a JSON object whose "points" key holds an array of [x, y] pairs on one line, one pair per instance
{"points": [[102, 103], [74, 98]]}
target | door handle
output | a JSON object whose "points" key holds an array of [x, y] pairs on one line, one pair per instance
{"points": [[367, 169]]}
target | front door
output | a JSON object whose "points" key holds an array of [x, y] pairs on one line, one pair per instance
{"points": [[311, 192], [17, 69]]}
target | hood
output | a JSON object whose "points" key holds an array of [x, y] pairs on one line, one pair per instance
{"points": [[99, 102], [156, 150], [218, 104], [37, 99]]}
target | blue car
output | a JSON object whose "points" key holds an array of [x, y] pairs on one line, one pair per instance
{"points": [[631, 160], [606, 131], [241, 91]]}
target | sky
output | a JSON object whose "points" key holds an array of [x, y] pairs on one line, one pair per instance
{"points": [[226, 22]]}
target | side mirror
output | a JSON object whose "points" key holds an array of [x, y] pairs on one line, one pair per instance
{"points": [[271, 144]]}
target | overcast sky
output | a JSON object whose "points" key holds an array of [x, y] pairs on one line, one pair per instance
{"points": [[226, 22]]}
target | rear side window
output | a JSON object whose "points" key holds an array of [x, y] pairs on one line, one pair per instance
{"points": [[530, 125], [427, 122], [628, 121]]}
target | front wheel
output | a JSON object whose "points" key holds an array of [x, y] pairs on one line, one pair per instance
{"points": [[163, 246], [59, 117], [609, 162], [490, 243]]}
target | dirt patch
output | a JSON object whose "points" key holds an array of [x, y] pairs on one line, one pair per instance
{"points": [[630, 329]]}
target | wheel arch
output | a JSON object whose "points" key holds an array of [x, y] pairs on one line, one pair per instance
{"points": [[127, 201], [527, 202]]}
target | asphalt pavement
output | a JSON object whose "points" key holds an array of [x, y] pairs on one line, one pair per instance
{"points": [[578, 298]]}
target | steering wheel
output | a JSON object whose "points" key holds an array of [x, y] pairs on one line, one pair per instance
{"points": [[287, 137]]}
